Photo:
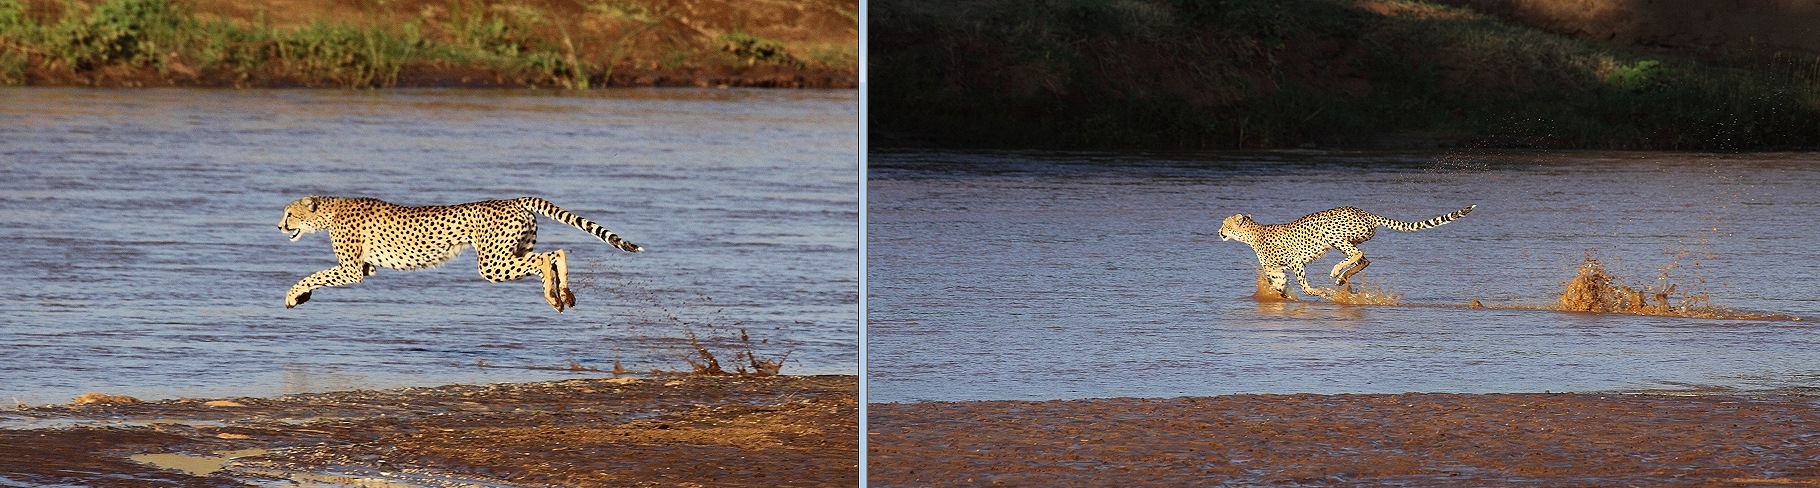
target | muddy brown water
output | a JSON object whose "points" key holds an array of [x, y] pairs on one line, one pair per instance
{"points": [[1031, 276], [143, 257]]}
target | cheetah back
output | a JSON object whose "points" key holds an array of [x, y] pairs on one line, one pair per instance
{"points": [[1309, 238], [406, 238]]}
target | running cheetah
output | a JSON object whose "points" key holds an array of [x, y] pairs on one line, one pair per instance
{"points": [[1297, 243], [368, 233]]}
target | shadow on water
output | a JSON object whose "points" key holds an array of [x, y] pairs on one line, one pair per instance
{"points": [[1592, 289]]}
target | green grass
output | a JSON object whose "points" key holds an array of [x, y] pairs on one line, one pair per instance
{"points": [[164, 40], [1273, 74]]}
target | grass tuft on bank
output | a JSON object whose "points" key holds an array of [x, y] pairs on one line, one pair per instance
{"points": [[543, 43], [1188, 74]]}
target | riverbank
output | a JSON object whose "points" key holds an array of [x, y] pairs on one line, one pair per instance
{"points": [[430, 43], [1353, 440], [684, 430], [1261, 74]]}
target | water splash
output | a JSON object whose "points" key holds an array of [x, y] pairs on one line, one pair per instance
{"points": [[1358, 291], [1362, 291], [1265, 294], [1593, 289]]}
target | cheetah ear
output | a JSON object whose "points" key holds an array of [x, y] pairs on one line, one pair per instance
{"points": [[311, 201]]}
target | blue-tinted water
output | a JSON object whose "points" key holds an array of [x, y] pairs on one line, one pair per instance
{"points": [[1034, 276], [143, 256]]}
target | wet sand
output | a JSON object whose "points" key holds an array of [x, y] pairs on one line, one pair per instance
{"points": [[661, 431], [1371, 440]]}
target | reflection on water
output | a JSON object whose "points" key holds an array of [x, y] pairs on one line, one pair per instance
{"points": [[143, 258], [195, 464], [1033, 276]]}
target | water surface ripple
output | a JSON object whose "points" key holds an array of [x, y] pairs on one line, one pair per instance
{"points": [[143, 256], [1007, 275]]}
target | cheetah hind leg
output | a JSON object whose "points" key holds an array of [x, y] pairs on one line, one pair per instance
{"points": [[1346, 278], [545, 265], [560, 262], [1302, 279], [1354, 263], [548, 268]]}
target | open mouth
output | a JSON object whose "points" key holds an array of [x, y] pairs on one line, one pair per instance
{"points": [[295, 233]]}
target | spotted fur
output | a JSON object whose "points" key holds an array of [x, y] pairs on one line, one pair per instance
{"points": [[1295, 244], [369, 233]]}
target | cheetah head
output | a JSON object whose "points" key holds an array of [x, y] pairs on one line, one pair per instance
{"points": [[1232, 227], [299, 217]]}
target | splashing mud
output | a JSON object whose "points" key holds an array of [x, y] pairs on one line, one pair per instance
{"points": [[1265, 294], [1360, 291], [1363, 291], [1593, 289]]}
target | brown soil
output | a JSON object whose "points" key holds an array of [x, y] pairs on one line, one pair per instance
{"points": [[666, 431], [1402, 440]]}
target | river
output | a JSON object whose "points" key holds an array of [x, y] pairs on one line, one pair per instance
{"points": [[143, 256], [1032, 275]]}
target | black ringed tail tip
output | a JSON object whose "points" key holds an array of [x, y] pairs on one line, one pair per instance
{"points": [[1427, 224], [556, 213]]}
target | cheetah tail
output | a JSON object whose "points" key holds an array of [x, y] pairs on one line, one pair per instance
{"points": [[1426, 224], [556, 213]]}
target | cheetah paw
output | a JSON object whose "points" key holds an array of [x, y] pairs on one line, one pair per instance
{"points": [[295, 300]]}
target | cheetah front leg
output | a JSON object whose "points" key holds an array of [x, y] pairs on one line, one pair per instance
{"points": [[346, 273], [1278, 282]]}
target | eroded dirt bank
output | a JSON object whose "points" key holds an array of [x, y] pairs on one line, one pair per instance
{"points": [[675, 431], [1347, 440]]}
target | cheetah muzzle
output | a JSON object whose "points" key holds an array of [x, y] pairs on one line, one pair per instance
{"points": [[368, 234]]}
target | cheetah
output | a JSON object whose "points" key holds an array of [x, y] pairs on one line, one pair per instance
{"points": [[368, 233], [1297, 243]]}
